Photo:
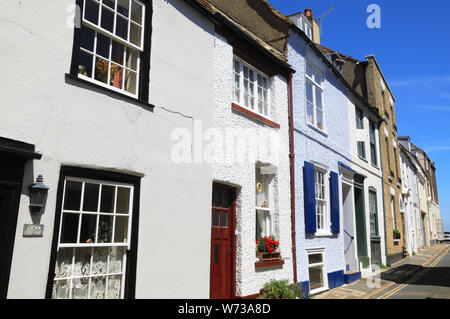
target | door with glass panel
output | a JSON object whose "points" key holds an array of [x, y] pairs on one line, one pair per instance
{"points": [[223, 210], [93, 239]]}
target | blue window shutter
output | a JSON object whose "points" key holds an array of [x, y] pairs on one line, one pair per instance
{"points": [[334, 202], [310, 198]]}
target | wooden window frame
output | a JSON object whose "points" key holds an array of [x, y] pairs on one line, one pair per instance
{"points": [[240, 100], [326, 229], [143, 63], [315, 86], [132, 245], [322, 265]]}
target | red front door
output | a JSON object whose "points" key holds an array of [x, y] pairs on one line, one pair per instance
{"points": [[221, 242]]}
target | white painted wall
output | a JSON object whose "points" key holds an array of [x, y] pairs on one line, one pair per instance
{"points": [[373, 174], [310, 145], [71, 124], [232, 169]]}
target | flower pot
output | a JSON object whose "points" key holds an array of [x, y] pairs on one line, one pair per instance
{"points": [[266, 256]]}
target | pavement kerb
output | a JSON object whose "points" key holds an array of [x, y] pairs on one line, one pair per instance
{"points": [[370, 294]]}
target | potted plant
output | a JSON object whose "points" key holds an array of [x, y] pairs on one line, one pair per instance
{"points": [[266, 249], [396, 234]]}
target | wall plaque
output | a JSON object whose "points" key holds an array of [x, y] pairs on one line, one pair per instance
{"points": [[30, 230]]}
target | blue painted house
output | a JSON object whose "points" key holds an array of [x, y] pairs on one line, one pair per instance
{"points": [[322, 160]]}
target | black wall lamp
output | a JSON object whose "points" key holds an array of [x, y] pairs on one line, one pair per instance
{"points": [[38, 194]]}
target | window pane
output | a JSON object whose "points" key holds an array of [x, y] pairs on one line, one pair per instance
{"points": [[69, 228], [224, 222], [123, 200], [130, 82], [109, 3], [135, 34], [61, 289], [315, 258], [90, 200], [136, 12], [88, 228], [101, 70], [317, 76], [262, 224], [107, 201], [72, 195], [87, 38], [116, 76], [100, 260], [319, 98], [117, 52], [123, 7], [216, 218], [91, 11], [107, 20], [262, 182], [114, 287], [105, 229], [85, 64], [309, 91], [97, 288], [310, 112], [103, 45], [82, 261], [80, 288], [121, 229], [132, 57], [122, 27], [309, 70], [116, 259], [315, 278], [63, 267], [320, 119]]}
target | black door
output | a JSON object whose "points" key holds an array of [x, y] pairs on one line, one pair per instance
{"points": [[11, 174]]}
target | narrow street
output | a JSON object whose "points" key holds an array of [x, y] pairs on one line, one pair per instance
{"points": [[425, 275], [426, 282]]}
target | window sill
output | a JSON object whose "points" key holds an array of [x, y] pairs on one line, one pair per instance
{"points": [[106, 91], [363, 159], [318, 130], [254, 115], [260, 264], [318, 290], [323, 234]]}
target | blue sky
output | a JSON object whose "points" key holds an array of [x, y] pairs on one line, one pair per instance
{"points": [[413, 49]]}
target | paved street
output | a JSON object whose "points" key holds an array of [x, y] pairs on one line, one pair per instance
{"points": [[431, 281], [423, 276]]}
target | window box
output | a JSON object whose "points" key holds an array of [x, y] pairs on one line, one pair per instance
{"points": [[259, 264], [269, 256], [396, 234]]}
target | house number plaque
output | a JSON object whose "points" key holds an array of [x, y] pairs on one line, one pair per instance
{"points": [[33, 230]]}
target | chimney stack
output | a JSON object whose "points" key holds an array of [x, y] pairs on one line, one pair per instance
{"points": [[315, 25]]}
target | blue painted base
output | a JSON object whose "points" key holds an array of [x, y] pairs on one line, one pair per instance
{"points": [[335, 279], [349, 278]]}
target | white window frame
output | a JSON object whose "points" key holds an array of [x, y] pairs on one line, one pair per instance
{"points": [[315, 86], [112, 36], [306, 26], [76, 245], [362, 156], [317, 251], [267, 211], [326, 229], [240, 100]]}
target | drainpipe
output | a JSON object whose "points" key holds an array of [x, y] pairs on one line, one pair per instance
{"points": [[382, 190], [292, 167]]}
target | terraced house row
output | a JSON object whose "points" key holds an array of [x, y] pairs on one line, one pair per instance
{"points": [[196, 149]]}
